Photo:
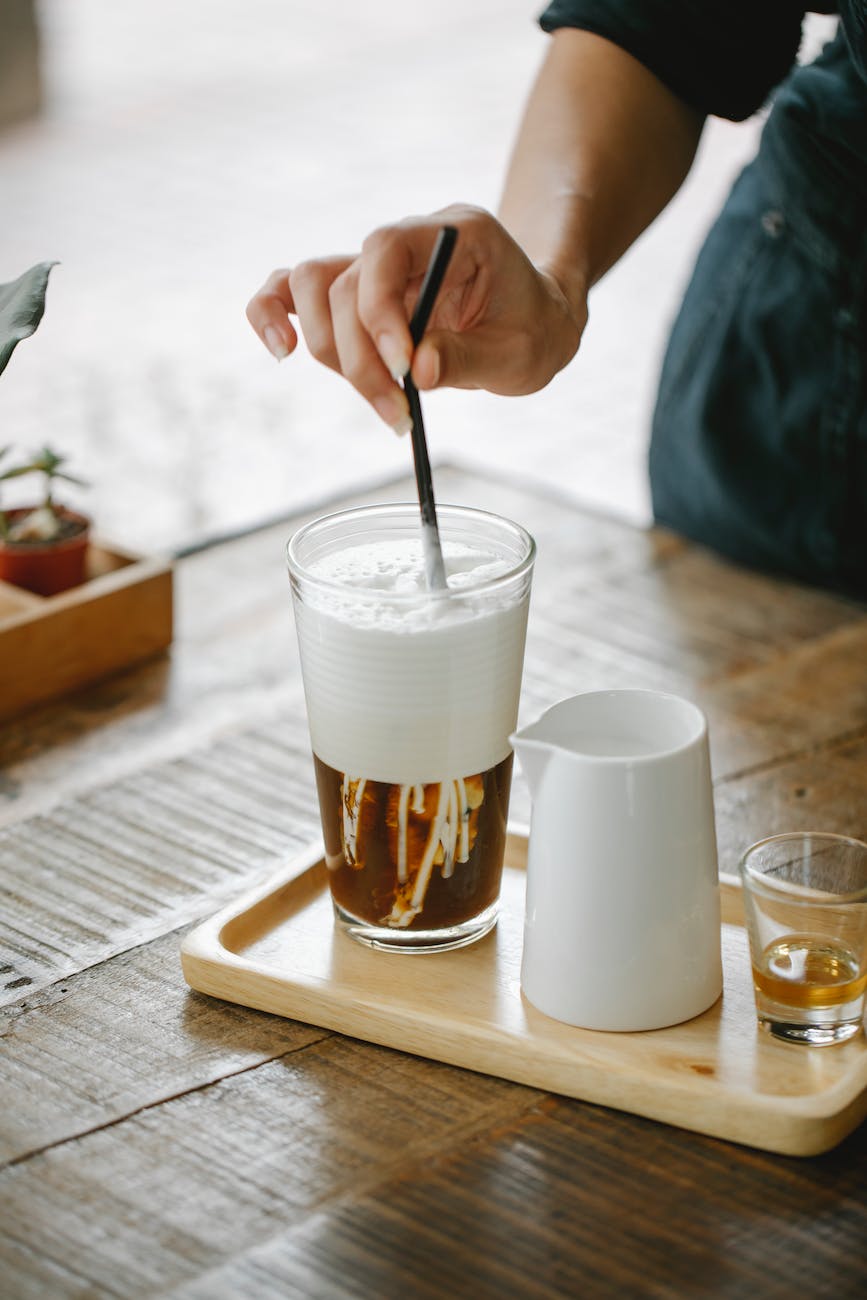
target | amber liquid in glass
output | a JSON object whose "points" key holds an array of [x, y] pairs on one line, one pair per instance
{"points": [[414, 857], [805, 971]]}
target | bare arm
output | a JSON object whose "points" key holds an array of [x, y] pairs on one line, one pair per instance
{"points": [[602, 148]]}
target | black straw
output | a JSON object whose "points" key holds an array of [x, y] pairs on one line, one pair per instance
{"points": [[435, 573]]}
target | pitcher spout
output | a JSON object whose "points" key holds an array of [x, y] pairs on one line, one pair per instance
{"points": [[533, 755]]}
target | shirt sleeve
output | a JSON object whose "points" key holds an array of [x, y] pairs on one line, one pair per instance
{"points": [[721, 57], [853, 14]]}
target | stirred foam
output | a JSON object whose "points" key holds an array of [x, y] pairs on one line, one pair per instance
{"points": [[399, 565], [395, 569], [403, 686]]}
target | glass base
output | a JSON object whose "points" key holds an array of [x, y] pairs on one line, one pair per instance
{"points": [[815, 1026], [814, 1035], [386, 939]]}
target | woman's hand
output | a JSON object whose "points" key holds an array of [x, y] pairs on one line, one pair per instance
{"points": [[499, 323]]}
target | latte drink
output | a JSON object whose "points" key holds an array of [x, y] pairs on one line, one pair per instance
{"points": [[411, 697]]}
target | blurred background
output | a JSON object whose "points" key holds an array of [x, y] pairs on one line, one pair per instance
{"points": [[181, 151]]}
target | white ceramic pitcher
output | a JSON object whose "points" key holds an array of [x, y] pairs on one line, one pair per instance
{"points": [[622, 926]]}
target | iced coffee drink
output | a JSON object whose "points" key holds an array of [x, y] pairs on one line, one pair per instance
{"points": [[411, 697]]}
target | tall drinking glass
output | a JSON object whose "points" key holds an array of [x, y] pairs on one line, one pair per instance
{"points": [[411, 698]]}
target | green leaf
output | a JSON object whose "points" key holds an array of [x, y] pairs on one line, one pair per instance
{"points": [[47, 461], [17, 472], [22, 303], [71, 478]]}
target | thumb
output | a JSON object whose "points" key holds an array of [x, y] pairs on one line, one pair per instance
{"points": [[427, 364], [447, 360], [494, 359]]}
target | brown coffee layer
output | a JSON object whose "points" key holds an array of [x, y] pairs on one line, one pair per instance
{"points": [[417, 857]]}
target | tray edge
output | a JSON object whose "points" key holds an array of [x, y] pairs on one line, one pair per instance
{"points": [[785, 1126]]}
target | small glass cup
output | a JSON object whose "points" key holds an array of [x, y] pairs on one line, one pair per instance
{"points": [[805, 899]]}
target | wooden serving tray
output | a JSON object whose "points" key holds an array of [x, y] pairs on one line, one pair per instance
{"points": [[49, 645], [277, 949]]}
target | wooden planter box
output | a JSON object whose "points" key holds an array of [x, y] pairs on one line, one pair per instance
{"points": [[50, 645]]}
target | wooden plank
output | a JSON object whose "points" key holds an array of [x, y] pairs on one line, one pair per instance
{"points": [[792, 698], [138, 1207], [132, 861], [723, 618], [821, 791], [812, 696], [240, 1190], [566, 1200], [156, 1041], [679, 608]]}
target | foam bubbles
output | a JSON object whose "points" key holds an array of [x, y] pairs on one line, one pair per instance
{"points": [[398, 566], [395, 568]]}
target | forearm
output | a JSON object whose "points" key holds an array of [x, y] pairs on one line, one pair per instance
{"points": [[602, 148]]}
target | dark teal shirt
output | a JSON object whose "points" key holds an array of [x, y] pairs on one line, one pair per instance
{"points": [[726, 57]]}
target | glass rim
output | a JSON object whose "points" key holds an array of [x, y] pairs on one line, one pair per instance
{"points": [[759, 879], [408, 509]]}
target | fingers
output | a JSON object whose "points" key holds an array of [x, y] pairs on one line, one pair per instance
{"points": [[486, 276], [303, 292], [357, 357], [268, 313], [393, 260], [323, 295], [354, 312], [392, 266], [310, 284]]}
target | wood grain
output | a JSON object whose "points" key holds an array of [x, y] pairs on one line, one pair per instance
{"points": [[564, 1200], [821, 790], [187, 1184], [277, 949], [156, 1042], [165, 1142], [121, 615], [134, 860]]}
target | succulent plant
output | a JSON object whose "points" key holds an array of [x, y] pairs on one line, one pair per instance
{"points": [[22, 304], [43, 523]]}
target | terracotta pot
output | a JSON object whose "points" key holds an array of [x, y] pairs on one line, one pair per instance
{"points": [[46, 567]]}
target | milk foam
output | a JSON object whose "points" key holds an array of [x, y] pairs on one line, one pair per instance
{"points": [[397, 569], [404, 686]]}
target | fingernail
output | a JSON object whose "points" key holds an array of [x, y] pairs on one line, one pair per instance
{"points": [[276, 346], [394, 354], [434, 364], [395, 412]]}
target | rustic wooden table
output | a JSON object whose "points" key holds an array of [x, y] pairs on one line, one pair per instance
{"points": [[155, 1141]]}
